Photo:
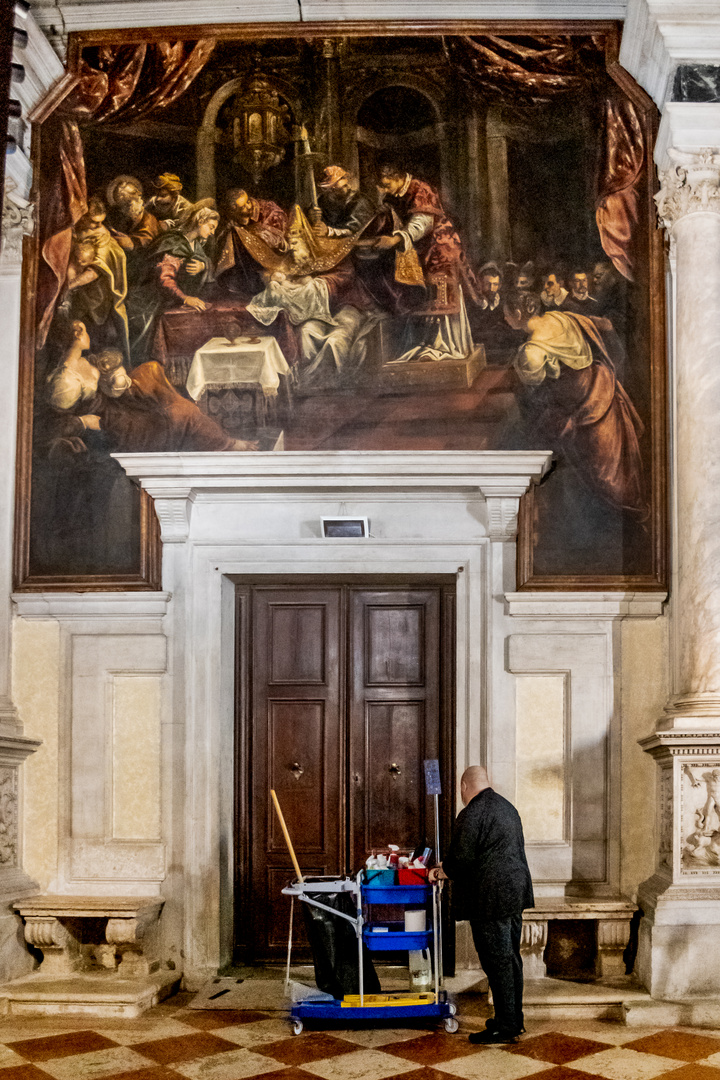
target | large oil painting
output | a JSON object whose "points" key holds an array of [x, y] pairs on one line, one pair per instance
{"points": [[345, 240]]}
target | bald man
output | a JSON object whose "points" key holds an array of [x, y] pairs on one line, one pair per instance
{"points": [[487, 862]]}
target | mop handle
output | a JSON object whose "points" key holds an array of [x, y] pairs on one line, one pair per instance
{"points": [[286, 834]]}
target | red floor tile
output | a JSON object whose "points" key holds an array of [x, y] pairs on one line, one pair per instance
{"points": [[566, 1072], [58, 1046], [433, 1048], [211, 1019], [153, 1072], [183, 1048], [696, 1071], [291, 1073], [681, 1045], [557, 1048], [301, 1049], [24, 1072]]}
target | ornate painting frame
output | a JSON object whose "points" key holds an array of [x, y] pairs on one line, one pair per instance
{"points": [[529, 577]]}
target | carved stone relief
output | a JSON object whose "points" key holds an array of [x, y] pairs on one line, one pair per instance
{"points": [[666, 817], [8, 816], [17, 222], [700, 815]]}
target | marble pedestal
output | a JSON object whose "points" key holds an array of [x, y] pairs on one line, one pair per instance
{"points": [[98, 957], [679, 940]]}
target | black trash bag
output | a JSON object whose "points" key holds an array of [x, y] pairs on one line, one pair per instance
{"points": [[335, 949]]}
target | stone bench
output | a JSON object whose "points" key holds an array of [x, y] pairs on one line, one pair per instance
{"points": [[612, 918], [76, 933]]}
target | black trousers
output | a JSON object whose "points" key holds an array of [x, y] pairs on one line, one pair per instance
{"points": [[498, 946]]}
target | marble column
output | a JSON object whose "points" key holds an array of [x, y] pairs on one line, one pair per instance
{"points": [[679, 947]]}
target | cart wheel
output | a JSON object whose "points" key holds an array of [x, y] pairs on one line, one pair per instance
{"points": [[451, 1025], [298, 1026], [452, 1009]]}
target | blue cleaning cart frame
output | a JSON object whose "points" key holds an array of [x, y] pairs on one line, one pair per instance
{"points": [[319, 1009]]}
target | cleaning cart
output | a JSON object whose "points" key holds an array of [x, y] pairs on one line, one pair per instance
{"points": [[369, 894], [378, 937]]}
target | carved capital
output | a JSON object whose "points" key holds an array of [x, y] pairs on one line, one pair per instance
{"points": [[690, 186], [17, 222], [174, 516], [502, 517]]}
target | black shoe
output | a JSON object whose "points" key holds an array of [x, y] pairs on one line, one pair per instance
{"points": [[492, 1025], [489, 1037]]}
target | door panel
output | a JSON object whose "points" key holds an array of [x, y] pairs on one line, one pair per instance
{"points": [[394, 740], [297, 749], [393, 645], [297, 770], [394, 715]]}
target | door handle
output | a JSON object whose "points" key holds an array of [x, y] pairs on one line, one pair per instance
{"points": [[394, 770], [296, 769]]}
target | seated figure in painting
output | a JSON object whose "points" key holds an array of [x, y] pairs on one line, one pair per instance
{"points": [[420, 269], [168, 206], [134, 227], [237, 270], [177, 271], [317, 287], [138, 413], [573, 402], [341, 211]]}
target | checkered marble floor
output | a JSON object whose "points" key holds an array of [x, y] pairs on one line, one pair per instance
{"points": [[174, 1042]]}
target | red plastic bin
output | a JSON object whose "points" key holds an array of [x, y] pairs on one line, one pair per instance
{"points": [[412, 875]]}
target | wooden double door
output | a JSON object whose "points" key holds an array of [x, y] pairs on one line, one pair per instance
{"points": [[343, 691]]}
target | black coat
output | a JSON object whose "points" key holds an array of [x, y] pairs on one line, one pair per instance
{"points": [[486, 860]]}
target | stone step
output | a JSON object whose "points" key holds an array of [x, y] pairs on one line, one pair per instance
{"points": [[104, 994], [696, 1012], [604, 999]]}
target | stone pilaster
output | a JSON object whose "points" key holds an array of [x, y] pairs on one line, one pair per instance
{"points": [[679, 947]]}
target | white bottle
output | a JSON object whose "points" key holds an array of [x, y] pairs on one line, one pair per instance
{"points": [[420, 966]]}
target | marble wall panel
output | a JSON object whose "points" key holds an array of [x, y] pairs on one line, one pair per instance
{"points": [[540, 757], [136, 757], [37, 695]]}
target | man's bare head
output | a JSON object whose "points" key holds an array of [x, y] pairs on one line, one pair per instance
{"points": [[472, 782]]}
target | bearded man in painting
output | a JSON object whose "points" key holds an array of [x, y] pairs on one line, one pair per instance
{"points": [[136, 227], [343, 210], [237, 272]]}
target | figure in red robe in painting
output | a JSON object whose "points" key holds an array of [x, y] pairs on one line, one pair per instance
{"points": [[420, 268], [574, 402]]}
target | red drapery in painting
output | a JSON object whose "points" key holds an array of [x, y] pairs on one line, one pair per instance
{"points": [[526, 69], [120, 84]]}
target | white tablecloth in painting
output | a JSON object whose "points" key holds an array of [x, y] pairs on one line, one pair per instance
{"points": [[223, 365]]}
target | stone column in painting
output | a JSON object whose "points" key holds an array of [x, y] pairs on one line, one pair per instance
{"points": [[679, 947]]}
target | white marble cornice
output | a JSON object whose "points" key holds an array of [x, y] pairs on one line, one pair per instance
{"points": [[585, 605], [130, 606], [175, 481], [66, 15], [690, 186]]}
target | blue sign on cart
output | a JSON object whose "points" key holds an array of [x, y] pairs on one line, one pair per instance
{"points": [[432, 777]]}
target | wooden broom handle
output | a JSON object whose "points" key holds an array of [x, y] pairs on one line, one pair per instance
{"points": [[286, 834]]}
